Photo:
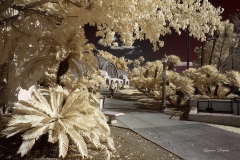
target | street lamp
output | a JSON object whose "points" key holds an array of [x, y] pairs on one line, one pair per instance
{"points": [[164, 61]]}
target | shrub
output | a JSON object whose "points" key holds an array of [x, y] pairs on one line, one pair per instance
{"points": [[62, 116]]}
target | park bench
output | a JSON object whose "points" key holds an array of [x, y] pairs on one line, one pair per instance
{"points": [[112, 116]]}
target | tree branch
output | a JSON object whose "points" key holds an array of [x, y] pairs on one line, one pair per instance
{"points": [[9, 20], [20, 31], [29, 10], [40, 3], [77, 4]]}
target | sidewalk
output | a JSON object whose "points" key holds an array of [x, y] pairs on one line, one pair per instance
{"points": [[187, 139]]}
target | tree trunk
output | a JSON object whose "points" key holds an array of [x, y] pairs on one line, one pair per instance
{"points": [[233, 90], [211, 55], [221, 50], [146, 74], [179, 98], [188, 48], [202, 54], [197, 91], [216, 34], [208, 90], [4, 68], [216, 91], [155, 75], [171, 67]]}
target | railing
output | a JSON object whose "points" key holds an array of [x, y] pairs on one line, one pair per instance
{"points": [[231, 106]]}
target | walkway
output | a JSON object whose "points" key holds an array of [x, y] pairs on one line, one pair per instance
{"points": [[187, 139]]}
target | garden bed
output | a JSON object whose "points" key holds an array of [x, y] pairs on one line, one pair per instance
{"points": [[129, 145]]}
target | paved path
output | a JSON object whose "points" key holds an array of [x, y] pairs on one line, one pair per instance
{"points": [[187, 139]]}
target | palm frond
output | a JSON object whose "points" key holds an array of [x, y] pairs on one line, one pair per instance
{"points": [[94, 139], [81, 106], [11, 131], [54, 131], [110, 143], [26, 146], [20, 119], [42, 103], [21, 109], [85, 107], [63, 144], [100, 115], [73, 98], [85, 123], [35, 133], [37, 94], [103, 125], [94, 99], [56, 100], [79, 141], [30, 105], [21, 125]]}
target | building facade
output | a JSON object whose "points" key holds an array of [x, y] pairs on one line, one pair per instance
{"points": [[111, 73], [233, 60]]}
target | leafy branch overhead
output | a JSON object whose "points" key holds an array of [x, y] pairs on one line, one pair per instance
{"points": [[48, 27]]}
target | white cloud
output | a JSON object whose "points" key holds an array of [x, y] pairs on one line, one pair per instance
{"points": [[134, 52], [121, 47], [116, 45], [185, 64]]}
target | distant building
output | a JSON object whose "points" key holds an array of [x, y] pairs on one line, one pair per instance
{"points": [[111, 73], [233, 60], [182, 67]]}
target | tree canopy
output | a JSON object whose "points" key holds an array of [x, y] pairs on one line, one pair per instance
{"points": [[39, 34]]}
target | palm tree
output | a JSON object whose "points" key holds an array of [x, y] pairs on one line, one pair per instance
{"points": [[61, 115]]}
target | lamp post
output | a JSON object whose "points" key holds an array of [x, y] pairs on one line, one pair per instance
{"points": [[164, 61], [101, 102]]}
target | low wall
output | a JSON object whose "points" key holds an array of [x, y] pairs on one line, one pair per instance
{"points": [[218, 105], [229, 120]]}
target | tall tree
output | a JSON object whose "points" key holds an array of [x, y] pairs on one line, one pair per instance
{"points": [[217, 51], [236, 21], [188, 48], [215, 37], [40, 34]]}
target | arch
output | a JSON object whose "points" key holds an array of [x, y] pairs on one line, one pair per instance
{"points": [[110, 68], [107, 66]]}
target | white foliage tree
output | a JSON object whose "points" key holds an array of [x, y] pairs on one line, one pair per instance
{"points": [[40, 34], [210, 83], [218, 48]]}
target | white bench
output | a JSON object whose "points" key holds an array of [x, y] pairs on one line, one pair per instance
{"points": [[112, 116]]}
